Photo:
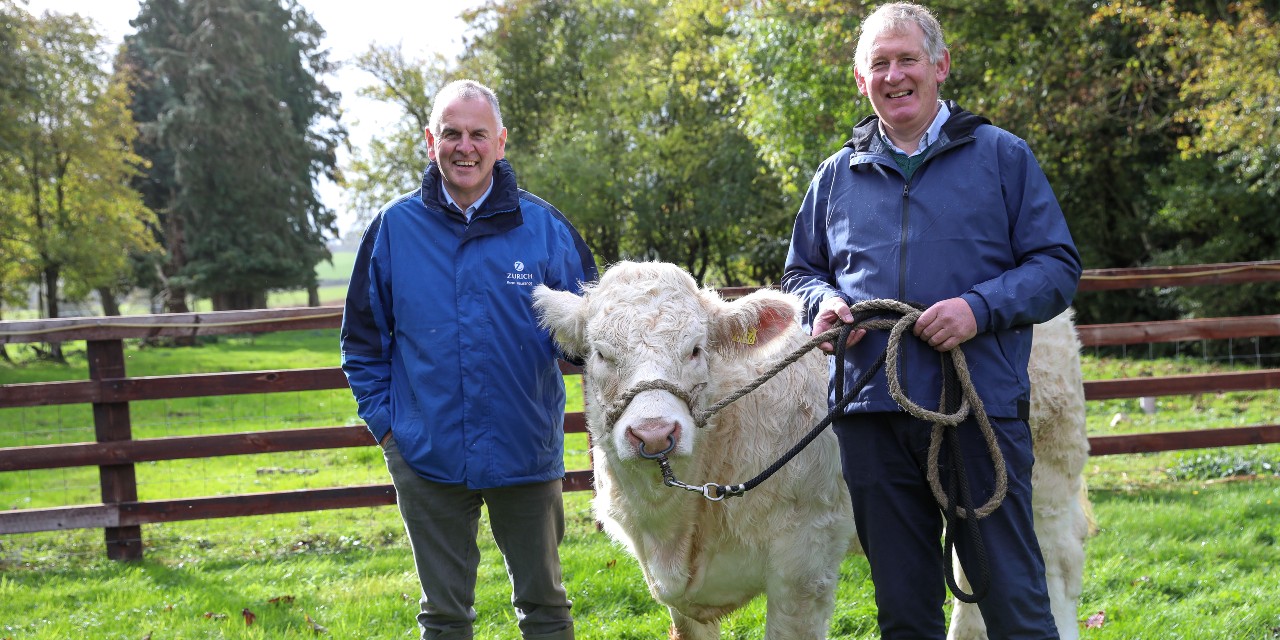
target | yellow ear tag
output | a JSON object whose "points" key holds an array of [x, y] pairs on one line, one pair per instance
{"points": [[749, 338]]}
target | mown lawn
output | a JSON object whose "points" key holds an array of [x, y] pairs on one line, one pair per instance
{"points": [[1186, 546]]}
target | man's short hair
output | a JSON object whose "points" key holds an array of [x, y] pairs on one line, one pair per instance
{"points": [[895, 17], [467, 90]]}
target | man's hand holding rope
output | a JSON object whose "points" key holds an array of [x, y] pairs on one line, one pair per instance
{"points": [[944, 326], [832, 312]]}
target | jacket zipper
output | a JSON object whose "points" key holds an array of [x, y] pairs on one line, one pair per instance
{"points": [[902, 243]]}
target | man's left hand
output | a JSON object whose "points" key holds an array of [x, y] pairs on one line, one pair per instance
{"points": [[946, 324]]}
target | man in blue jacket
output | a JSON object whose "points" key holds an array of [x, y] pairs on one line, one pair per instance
{"points": [[930, 204], [454, 376]]}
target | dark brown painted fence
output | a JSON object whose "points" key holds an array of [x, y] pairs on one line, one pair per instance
{"points": [[110, 390]]}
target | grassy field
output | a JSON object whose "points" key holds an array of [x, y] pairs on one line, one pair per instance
{"points": [[1186, 548]]}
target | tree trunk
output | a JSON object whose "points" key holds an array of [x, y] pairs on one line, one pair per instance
{"points": [[238, 300], [110, 307], [313, 295], [175, 300], [4, 348], [51, 275]]}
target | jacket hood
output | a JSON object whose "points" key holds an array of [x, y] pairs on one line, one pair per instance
{"points": [[866, 134]]}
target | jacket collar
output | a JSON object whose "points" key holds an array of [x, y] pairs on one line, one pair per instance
{"points": [[961, 124], [504, 197]]}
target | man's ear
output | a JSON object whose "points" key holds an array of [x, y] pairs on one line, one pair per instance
{"points": [[431, 144], [944, 67]]}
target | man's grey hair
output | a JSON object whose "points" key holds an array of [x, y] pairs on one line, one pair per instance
{"points": [[895, 17], [467, 90]]}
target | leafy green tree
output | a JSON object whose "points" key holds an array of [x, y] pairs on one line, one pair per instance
{"points": [[1096, 114], [617, 113], [569, 96], [1217, 195], [686, 131], [15, 261], [250, 128], [74, 221], [793, 60], [393, 162]]}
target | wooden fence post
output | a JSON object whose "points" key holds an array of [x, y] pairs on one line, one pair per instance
{"points": [[111, 424]]}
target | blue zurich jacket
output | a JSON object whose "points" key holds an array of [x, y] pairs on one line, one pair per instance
{"points": [[977, 220], [440, 343]]}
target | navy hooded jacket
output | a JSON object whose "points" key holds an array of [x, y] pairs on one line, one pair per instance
{"points": [[977, 220]]}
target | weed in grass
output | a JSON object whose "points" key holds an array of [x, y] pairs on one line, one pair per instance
{"points": [[1210, 464]]}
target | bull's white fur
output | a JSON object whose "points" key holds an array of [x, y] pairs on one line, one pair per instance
{"points": [[1063, 517], [785, 538]]}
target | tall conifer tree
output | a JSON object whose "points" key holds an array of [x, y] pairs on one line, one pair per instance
{"points": [[242, 129]]}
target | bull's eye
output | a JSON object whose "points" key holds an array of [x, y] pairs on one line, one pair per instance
{"points": [[696, 353], [605, 355]]}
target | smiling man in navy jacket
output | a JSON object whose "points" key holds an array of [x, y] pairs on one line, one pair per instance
{"points": [[453, 375], [931, 204]]}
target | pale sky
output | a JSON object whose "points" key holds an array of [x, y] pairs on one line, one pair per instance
{"points": [[419, 26]]}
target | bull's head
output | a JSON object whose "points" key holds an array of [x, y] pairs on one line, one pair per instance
{"points": [[658, 350]]}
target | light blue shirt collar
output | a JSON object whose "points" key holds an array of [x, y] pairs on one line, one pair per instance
{"points": [[474, 206], [931, 135]]}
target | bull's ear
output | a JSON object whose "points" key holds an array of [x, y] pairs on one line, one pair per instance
{"points": [[755, 319], [564, 315]]}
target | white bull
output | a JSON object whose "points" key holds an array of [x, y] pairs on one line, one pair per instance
{"points": [[786, 537]]}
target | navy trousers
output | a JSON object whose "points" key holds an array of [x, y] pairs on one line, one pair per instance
{"points": [[900, 526]]}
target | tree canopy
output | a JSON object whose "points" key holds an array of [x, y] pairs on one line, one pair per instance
{"points": [[687, 131], [684, 131], [70, 219]]}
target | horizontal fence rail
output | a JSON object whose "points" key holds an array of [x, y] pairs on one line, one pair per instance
{"points": [[109, 390]]}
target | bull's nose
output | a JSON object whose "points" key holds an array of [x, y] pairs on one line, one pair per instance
{"points": [[653, 437], [644, 453]]}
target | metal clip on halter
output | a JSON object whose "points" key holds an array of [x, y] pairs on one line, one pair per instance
{"points": [[710, 490]]}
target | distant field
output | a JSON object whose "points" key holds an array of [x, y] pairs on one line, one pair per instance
{"points": [[339, 271], [333, 278], [333, 283]]}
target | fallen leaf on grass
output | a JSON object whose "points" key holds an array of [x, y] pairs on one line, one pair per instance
{"points": [[281, 600], [1096, 620], [314, 625], [249, 616], [209, 615]]}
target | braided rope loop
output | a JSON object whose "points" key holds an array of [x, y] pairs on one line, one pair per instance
{"points": [[970, 404]]}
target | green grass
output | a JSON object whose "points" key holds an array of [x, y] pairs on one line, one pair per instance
{"points": [[1180, 552]]}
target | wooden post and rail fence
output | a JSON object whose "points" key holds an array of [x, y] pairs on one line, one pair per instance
{"points": [[109, 390]]}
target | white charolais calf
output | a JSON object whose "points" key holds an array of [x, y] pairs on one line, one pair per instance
{"points": [[785, 538]]}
